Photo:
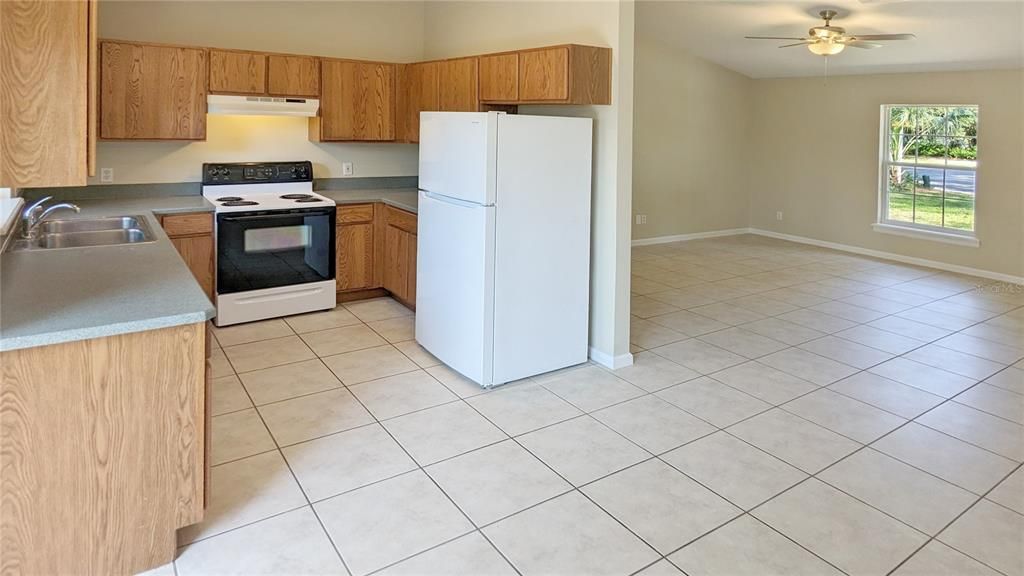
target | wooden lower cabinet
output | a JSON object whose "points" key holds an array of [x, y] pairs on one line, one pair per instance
{"points": [[376, 248], [103, 451], [400, 255], [396, 262], [355, 248], [192, 236]]}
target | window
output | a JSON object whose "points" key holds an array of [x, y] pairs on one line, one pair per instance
{"points": [[928, 167]]}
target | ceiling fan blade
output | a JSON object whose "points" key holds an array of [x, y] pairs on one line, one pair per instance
{"points": [[884, 36], [859, 44], [772, 38], [804, 43]]}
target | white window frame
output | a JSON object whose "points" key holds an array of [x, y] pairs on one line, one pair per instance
{"points": [[913, 229]]}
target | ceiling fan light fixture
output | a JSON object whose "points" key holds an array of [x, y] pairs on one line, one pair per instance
{"points": [[826, 48]]}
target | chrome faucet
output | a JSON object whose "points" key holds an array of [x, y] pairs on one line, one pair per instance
{"points": [[34, 215]]}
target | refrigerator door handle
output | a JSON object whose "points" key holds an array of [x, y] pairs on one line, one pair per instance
{"points": [[450, 200]]}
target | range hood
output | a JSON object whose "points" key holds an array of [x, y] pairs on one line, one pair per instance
{"points": [[261, 106]]}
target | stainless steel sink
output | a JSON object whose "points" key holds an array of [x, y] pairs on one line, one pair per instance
{"points": [[82, 232], [92, 238], [72, 225]]}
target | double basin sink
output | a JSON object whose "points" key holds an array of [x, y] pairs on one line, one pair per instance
{"points": [[83, 232]]}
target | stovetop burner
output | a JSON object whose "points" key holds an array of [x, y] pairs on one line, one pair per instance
{"points": [[310, 199], [229, 199], [297, 197], [240, 203]]}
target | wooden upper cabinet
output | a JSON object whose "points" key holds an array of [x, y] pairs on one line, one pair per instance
{"points": [[458, 82], [47, 92], [152, 92], [417, 92], [357, 102], [293, 75], [544, 74], [235, 72], [570, 74], [499, 77]]}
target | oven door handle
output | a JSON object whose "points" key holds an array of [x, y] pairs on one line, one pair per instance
{"points": [[273, 216]]}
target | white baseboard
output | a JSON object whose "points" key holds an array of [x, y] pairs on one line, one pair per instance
{"points": [[609, 361], [694, 236], [891, 256]]}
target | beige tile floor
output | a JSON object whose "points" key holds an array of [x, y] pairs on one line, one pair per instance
{"points": [[792, 410]]}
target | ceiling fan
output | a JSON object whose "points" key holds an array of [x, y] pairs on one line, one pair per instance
{"points": [[829, 40]]}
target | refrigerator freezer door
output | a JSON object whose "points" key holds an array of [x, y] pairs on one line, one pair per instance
{"points": [[457, 155], [542, 245], [454, 275]]}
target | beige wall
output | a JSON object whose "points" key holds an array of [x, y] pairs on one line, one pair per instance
{"points": [[458, 28], [815, 153], [691, 126], [390, 31]]}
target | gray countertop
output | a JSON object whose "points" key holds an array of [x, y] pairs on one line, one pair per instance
{"points": [[403, 198], [54, 296]]}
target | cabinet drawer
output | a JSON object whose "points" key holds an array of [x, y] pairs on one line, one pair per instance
{"points": [[187, 224], [355, 213], [401, 219]]}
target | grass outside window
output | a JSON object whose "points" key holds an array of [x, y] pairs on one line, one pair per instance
{"points": [[929, 164]]}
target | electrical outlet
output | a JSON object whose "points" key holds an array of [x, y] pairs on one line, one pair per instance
{"points": [[641, 218], [346, 169], [106, 175], [778, 215]]}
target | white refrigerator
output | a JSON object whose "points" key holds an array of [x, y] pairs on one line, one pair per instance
{"points": [[503, 248]]}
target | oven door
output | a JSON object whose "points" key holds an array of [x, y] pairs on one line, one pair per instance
{"points": [[269, 249]]}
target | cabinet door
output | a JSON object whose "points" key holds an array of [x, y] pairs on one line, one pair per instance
{"points": [[410, 291], [355, 256], [44, 59], [197, 252], [293, 76], [152, 92], [238, 72], [459, 85], [357, 101], [417, 92], [544, 74], [396, 262], [499, 77]]}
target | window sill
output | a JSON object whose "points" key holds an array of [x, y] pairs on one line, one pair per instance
{"points": [[934, 235]]}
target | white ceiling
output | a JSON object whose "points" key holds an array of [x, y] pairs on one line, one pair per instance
{"points": [[951, 35]]}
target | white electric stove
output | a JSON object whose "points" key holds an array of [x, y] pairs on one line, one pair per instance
{"points": [[274, 240]]}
